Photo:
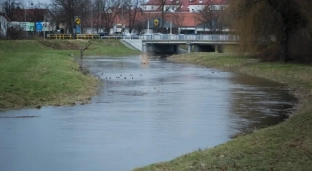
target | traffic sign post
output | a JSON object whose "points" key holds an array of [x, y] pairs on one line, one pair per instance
{"points": [[78, 30], [77, 23]]}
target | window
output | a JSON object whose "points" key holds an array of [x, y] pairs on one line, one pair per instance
{"points": [[0, 26], [212, 7]]}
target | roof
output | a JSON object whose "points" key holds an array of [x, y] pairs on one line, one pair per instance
{"points": [[184, 4], [32, 15], [5, 16]]}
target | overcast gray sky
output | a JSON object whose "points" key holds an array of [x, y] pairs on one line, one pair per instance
{"points": [[43, 1], [35, 1]]}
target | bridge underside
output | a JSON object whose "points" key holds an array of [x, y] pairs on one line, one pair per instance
{"points": [[160, 48]]}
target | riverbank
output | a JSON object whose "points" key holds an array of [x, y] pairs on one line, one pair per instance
{"points": [[37, 73], [286, 146]]}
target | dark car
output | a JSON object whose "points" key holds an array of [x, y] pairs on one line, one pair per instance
{"points": [[103, 34]]}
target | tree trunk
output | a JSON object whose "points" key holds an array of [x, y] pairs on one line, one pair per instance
{"points": [[285, 38]]}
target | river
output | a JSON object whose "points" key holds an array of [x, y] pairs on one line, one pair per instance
{"points": [[144, 113]]}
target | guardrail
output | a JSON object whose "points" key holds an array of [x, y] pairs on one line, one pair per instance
{"points": [[213, 37], [59, 36], [111, 37], [69, 36], [87, 36]]}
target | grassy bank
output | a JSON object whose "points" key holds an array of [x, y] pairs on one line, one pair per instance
{"points": [[36, 73], [287, 146]]}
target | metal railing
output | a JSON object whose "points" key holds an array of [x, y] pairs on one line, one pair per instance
{"points": [[183, 37], [59, 36], [69, 36], [111, 37], [87, 36]]}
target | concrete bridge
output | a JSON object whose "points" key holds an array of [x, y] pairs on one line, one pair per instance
{"points": [[165, 43]]}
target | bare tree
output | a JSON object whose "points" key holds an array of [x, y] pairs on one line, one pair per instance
{"points": [[139, 26], [208, 18], [66, 10], [132, 10], [107, 11], [166, 8]]}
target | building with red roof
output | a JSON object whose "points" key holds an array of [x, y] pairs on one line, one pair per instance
{"points": [[187, 15]]}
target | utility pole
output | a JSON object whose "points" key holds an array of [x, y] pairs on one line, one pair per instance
{"points": [[122, 18], [101, 17], [147, 26], [91, 16], [25, 18]]}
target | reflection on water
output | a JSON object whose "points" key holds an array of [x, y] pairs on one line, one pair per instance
{"points": [[144, 114]]}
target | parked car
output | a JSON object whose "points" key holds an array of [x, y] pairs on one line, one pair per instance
{"points": [[157, 34], [103, 34]]}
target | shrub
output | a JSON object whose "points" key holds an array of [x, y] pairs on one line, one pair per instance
{"points": [[15, 32]]}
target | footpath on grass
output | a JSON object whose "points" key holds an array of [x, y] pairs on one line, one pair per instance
{"points": [[37, 73], [286, 146]]}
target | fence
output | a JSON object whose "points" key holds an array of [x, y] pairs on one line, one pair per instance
{"points": [[87, 36], [59, 36], [69, 36], [215, 37]]}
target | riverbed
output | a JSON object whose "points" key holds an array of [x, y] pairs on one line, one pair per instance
{"points": [[144, 113]]}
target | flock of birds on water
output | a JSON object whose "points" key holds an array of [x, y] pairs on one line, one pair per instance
{"points": [[120, 76]]}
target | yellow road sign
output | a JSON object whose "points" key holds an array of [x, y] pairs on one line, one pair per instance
{"points": [[156, 22], [77, 20]]}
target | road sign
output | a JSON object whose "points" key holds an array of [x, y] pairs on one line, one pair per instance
{"points": [[156, 22], [78, 30], [77, 20], [38, 26]]}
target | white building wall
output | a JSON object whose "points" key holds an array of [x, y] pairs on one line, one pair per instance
{"points": [[196, 8], [149, 7], [3, 25]]}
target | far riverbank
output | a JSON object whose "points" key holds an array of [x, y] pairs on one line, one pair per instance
{"points": [[286, 146]]}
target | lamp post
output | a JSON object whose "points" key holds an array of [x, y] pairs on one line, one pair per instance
{"points": [[147, 26], [170, 27], [91, 16], [122, 18], [25, 18]]}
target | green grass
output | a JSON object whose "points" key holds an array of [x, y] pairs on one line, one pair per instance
{"points": [[109, 47], [286, 146], [37, 73]]}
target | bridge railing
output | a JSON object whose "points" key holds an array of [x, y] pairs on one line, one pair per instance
{"points": [[212, 37]]}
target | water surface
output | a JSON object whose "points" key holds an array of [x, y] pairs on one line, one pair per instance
{"points": [[143, 114]]}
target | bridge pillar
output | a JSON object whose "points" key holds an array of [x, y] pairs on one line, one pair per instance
{"points": [[189, 47], [220, 48], [144, 49]]}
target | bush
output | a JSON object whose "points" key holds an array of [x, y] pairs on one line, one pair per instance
{"points": [[2, 36], [15, 32]]}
